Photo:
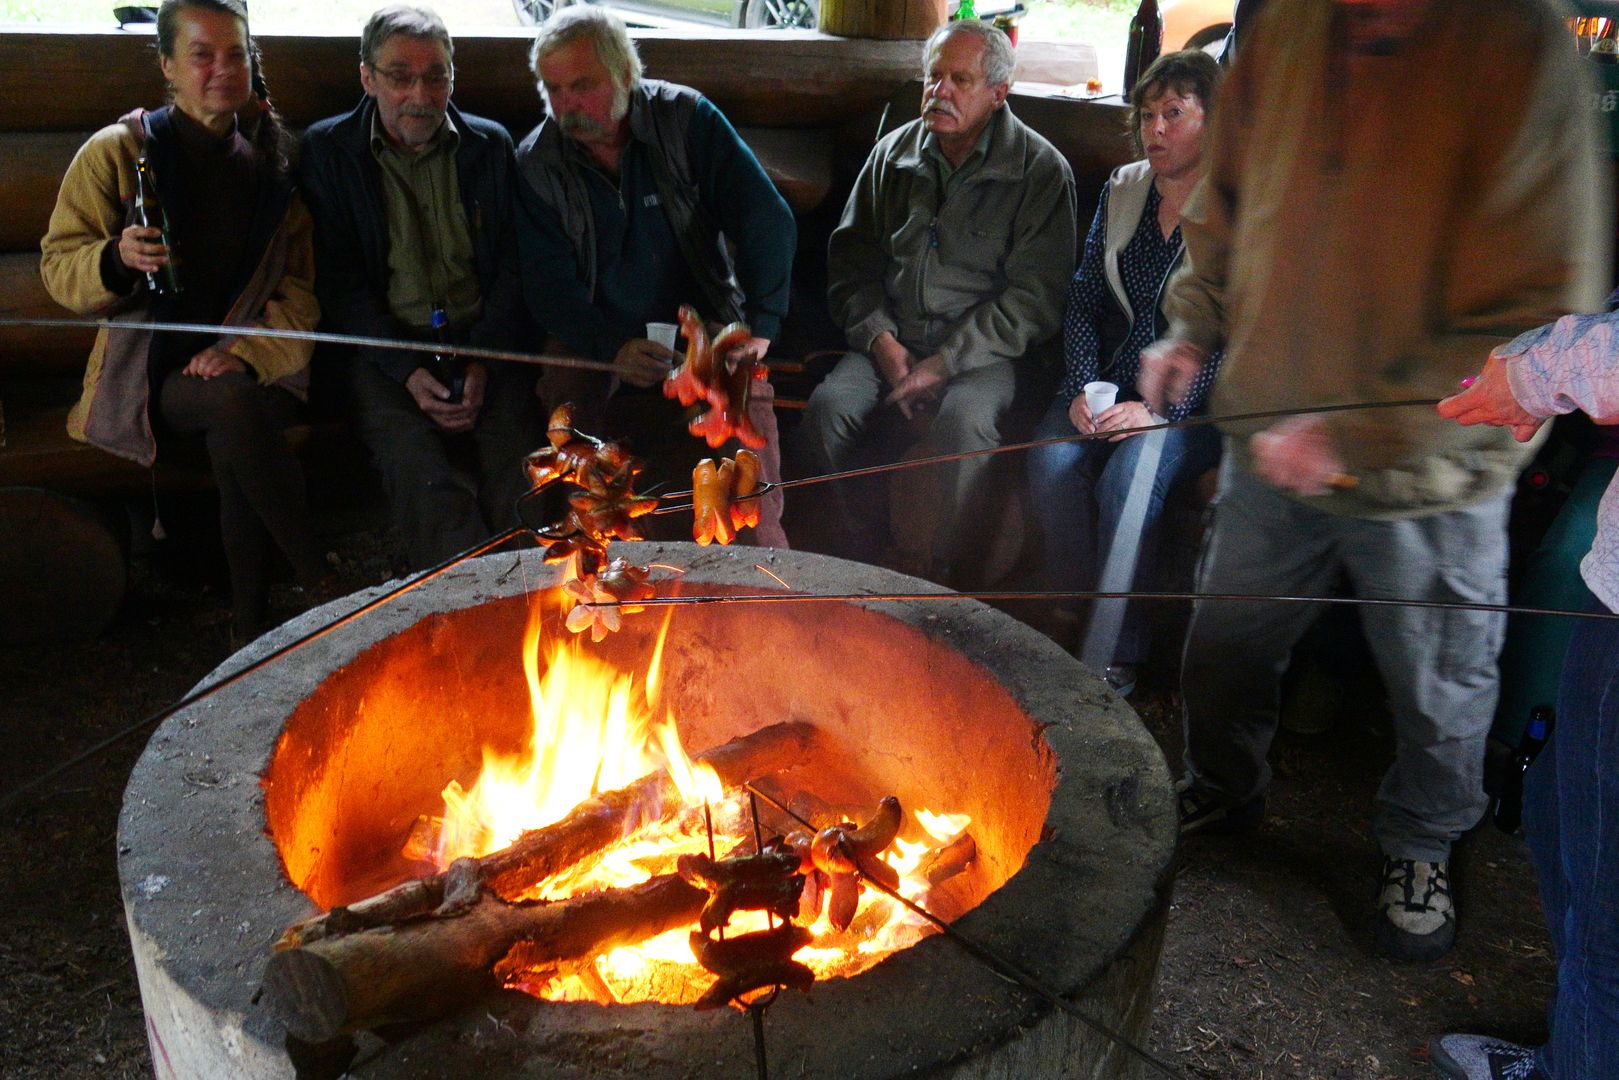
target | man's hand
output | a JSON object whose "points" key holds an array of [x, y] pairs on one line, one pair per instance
{"points": [[894, 361], [752, 349], [1489, 400], [1168, 368], [1297, 455], [140, 247], [211, 363], [641, 362], [1126, 414], [921, 388], [432, 396]]}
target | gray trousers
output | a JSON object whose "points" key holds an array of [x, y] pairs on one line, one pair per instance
{"points": [[434, 510], [845, 416], [1439, 666]]}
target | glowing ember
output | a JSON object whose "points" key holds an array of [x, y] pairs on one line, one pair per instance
{"points": [[596, 728]]}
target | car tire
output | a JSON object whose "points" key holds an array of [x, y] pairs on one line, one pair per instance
{"points": [[1209, 35], [534, 12], [782, 14]]}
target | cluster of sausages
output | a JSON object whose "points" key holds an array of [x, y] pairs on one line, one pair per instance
{"points": [[708, 375], [724, 497], [790, 878]]}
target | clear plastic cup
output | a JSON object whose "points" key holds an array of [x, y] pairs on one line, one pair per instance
{"points": [[664, 333]]}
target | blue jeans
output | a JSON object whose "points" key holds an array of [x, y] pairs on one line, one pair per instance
{"points": [[1571, 819], [1079, 490]]}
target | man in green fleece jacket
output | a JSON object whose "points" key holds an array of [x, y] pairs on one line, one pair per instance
{"points": [[1394, 187]]}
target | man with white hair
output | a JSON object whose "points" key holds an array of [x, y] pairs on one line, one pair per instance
{"points": [[413, 205], [634, 194], [947, 271]]}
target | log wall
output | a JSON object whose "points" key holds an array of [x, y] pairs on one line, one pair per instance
{"points": [[809, 103]]}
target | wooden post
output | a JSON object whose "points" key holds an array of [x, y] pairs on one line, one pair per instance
{"points": [[892, 19]]}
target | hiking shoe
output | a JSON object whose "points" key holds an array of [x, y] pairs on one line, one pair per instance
{"points": [[1479, 1057], [1415, 917], [1122, 678], [1208, 815]]}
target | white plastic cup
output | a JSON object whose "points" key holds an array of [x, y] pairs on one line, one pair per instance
{"points": [[663, 333], [1100, 396]]}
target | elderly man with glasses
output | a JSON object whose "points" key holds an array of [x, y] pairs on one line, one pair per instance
{"points": [[412, 200]]}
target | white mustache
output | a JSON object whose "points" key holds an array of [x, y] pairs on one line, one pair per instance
{"points": [[935, 105], [580, 122]]}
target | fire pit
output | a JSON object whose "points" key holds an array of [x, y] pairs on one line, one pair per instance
{"points": [[296, 789]]}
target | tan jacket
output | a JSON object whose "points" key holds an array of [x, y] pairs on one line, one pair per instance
{"points": [[1369, 229], [94, 205]]}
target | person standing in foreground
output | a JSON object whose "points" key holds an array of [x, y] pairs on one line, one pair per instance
{"points": [[1571, 793], [414, 239], [1374, 217]]}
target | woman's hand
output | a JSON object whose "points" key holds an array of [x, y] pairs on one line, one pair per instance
{"points": [[1489, 400], [213, 362], [1079, 414], [1124, 415], [140, 248]]}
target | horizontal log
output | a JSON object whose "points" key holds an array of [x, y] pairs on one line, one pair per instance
{"points": [[590, 827], [32, 350], [35, 163], [763, 78], [431, 967]]}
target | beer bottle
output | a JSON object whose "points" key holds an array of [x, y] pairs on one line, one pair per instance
{"points": [[1145, 42], [967, 10], [166, 280], [1509, 804], [447, 369], [1605, 48]]}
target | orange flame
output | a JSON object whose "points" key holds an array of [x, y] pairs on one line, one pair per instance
{"points": [[595, 729]]}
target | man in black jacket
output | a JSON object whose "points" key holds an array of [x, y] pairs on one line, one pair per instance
{"points": [[414, 238]]}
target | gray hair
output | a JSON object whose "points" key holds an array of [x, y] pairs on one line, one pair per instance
{"points": [[597, 25], [416, 22], [997, 56]]}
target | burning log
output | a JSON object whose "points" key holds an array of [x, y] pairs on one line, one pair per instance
{"points": [[431, 967], [590, 827]]}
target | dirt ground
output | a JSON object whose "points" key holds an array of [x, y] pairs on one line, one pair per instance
{"points": [[1267, 970]]}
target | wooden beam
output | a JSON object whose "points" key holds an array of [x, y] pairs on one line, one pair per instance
{"points": [[35, 162], [767, 78], [32, 350]]}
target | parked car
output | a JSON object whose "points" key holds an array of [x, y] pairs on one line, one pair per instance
{"points": [[1195, 24], [752, 14]]}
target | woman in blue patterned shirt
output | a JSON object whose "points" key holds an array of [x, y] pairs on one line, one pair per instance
{"points": [[1134, 244]]}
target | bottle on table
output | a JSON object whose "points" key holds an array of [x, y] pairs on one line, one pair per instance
{"points": [[1509, 804], [1146, 41]]}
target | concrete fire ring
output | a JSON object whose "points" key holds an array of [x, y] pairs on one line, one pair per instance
{"points": [[205, 893]]}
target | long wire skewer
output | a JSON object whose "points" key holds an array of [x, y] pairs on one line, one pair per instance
{"points": [[1033, 444], [268, 658], [982, 953]]}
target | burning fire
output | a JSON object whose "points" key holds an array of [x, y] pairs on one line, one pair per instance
{"points": [[596, 728]]}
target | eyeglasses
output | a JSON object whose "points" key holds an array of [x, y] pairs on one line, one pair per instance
{"points": [[436, 80]]}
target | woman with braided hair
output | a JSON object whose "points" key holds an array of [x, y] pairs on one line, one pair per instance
{"points": [[187, 213]]}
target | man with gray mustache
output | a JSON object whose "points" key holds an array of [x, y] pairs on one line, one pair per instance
{"points": [[413, 208], [636, 197], [947, 273]]}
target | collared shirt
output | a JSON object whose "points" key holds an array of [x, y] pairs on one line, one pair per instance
{"points": [[952, 176], [429, 242]]}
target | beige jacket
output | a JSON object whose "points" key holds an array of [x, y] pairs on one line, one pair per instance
{"points": [[1368, 229], [93, 207]]}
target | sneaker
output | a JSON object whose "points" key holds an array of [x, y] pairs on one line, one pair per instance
{"points": [[1203, 813], [1122, 678], [1415, 917], [1479, 1057]]}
